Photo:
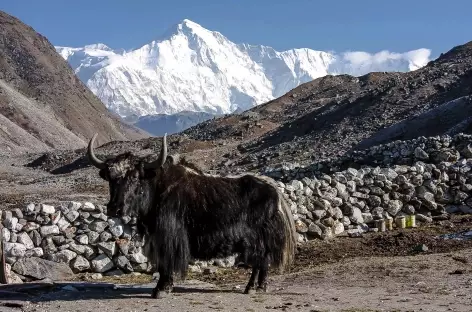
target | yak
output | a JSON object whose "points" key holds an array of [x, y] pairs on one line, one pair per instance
{"points": [[184, 214]]}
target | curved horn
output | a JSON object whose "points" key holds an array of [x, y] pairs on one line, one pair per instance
{"points": [[162, 156], [91, 155]]}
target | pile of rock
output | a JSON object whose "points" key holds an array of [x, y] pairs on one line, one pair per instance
{"points": [[78, 234], [350, 201], [347, 202], [434, 150]]}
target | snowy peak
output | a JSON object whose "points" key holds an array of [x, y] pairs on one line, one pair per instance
{"points": [[194, 69]]}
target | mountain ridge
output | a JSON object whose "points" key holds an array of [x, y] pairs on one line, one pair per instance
{"points": [[43, 104], [190, 68]]}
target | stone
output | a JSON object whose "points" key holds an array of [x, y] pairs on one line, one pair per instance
{"points": [[346, 221], [47, 230], [123, 263], [101, 264], [74, 205], [421, 154], [48, 246], [11, 277], [225, 262], [80, 264], [34, 252], [105, 236], [137, 258], [318, 214], [5, 234], [88, 206], [29, 208], [123, 245], [321, 203], [421, 248], [13, 237], [338, 228], [116, 230], [300, 226], [58, 240], [116, 272], [394, 207], [109, 248], [63, 256], [40, 268], [72, 215], [367, 217], [98, 226], [35, 237], [423, 218], [9, 221], [337, 213], [82, 239], [23, 238], [30, 226], [329, 222], [17, 213], [93, 237], [14, 249], [47, 209], [356, 216]]}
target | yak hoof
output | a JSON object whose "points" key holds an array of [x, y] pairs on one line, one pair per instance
{"points": [[159, 294], [262, 289]]}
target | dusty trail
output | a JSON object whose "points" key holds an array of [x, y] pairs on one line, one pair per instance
{"points": [[378, 272]]}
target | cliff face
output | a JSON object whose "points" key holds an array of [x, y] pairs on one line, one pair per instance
{"points": [[43, 105]]}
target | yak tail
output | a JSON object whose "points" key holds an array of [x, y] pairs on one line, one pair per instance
{"points": [[285, 258], [290, 241]]}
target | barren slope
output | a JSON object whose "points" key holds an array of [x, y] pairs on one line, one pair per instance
{"points": [[43, 104], [331, 115]]}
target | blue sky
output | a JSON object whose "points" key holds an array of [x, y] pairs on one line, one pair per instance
{"points": [[355, 25]]}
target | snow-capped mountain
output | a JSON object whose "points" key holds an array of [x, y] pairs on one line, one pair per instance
{"points": [[194, 69]]}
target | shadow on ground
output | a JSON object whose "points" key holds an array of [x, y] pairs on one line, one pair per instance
{"points": [[47, 292]]}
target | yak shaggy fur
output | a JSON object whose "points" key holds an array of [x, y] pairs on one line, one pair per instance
{"points": [[184, 215]]}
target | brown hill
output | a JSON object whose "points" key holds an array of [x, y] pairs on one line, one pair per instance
{"points": [[319, 120], [330, 116], [43, 105]]}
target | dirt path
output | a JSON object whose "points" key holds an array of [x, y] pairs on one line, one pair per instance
{"points": [[377, 272], [412, 283]]}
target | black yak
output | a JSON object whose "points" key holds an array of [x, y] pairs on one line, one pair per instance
{"points": [[184, 214]]}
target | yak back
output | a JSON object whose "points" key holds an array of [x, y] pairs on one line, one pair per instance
{"points": [[201, 216]]}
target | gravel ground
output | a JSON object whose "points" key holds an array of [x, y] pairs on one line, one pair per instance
{"points": [[377, 272]]}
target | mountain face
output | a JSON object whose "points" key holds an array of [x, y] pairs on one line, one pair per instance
{"points": [[193, 69], [161, 123], [43, 105], [333, 115]]}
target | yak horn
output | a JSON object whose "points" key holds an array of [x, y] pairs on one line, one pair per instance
{"points": [[91, 156], [162, 156]]}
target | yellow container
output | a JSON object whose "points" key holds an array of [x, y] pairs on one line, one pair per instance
{"points": [[380, 224], [410, 221], [389, 224], [401, 222]]}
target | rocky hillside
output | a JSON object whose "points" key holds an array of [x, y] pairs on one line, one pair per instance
{"points": [[43, 105], [332, 115]]}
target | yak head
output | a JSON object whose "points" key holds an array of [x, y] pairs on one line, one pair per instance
{"points": [[131, 180]]}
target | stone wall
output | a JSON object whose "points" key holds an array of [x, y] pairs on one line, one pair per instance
{"points": [[434, 182]]}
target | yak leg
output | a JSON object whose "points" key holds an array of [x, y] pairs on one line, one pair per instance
{"points": [[252, 280], [262, 279], [164, 285]]}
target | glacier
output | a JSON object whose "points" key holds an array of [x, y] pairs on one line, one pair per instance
{"points": [[193, 69]]}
